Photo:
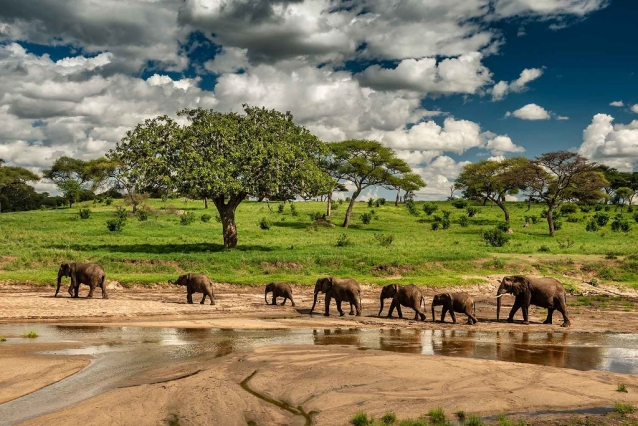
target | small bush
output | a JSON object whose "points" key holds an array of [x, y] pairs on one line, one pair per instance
{"points": [[343, 241], [464, 221], [592, 226], [544, 214], [460, 415], [566, 243], [187, 218], [108, 201], [361, 419], [115, 225], [636, 216], [630, 209], [607, 208], [31, 334], [430, 208], [121, 214], [206, 218], [84, 213], [585, 209], [264, 224], [388, 418], [384, 240], [471, 211], [503, 226], [142, 215], [572, 219], [293, 210], [218, 218], [445, 223], [438, 218], [598, 207], [620, 224], [544, 249], [381, 201], [335, 206], [280, 208], [601, 219], [446, 214], [411, 205], [558, 225], [370, 202], [621, 388], [435, 225], [315, 216], [495, 237], [623, 408], [366, 218], [437, 415], [568, 208], [340, 201], [459, 204]]}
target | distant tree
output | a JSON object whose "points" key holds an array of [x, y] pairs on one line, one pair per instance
{"points": [[72, 177], [615, 179], [13, 180], [366, 163], [227, 157], [492, 180], [408, 182], [558, 177], [625, 196]]}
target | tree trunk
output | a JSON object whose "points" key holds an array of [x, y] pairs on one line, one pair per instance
{"points": [[529, 203], [205, 202], [227, 214], [396, 202], [505, 211], [550, 220], [329, 207], [346, 220]]}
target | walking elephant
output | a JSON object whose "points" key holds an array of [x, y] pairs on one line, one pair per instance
{"points": [[196, 283], [460, 302], [90, 274], [547, 293], [279, 290], [403, 295], [342, 290]]}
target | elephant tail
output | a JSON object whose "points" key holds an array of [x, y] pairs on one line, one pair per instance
{"points": [[360, 302], [474, 308], [422, 302]]}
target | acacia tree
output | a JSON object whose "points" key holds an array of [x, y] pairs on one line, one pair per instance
{"points": [[557, 177], [624, 195], [365, 163], [493, 180], [14, 177], [408, 182]]}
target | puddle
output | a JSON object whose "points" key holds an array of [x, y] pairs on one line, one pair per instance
{"points": [[126, 354]]}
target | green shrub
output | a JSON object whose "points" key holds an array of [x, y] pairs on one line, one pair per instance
{"points": [[142, 215], [280, 208], [568, 208], [293, 210], [607, 207], [361, 419], [566, 243], [437, 415], [108, 201], [84, 213], [503, 226], [464, 221], [598, 207], [435, 225], [531, 219], [460, 203], [558, 225], [411, 205], [335, 206], [474, 421], [264, 224], [620, 224], [370, 202], [340, 201], [636, 216], [384, 240], [572, 219], [601, 219], [585, 209], [621, 388], [31, 334], [206, 218], [630, 209], [3, 339], [460, 415], [446, 214], [495, 237], [365, 218], [187, 218], [544, 214], [121, 214], [115, 225], [471, 211], [315, 216], [388, 418], [430, 208], [544, 249], [381, 201], [623, 408], [592, 226], [445, 223], [343, 241]]}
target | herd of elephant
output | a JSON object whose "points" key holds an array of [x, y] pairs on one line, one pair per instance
{"points": [[546, 293]]}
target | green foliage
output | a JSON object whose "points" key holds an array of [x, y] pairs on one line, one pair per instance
{"points": [[636, 216], [601, 219], [460, 203], [435, 225], [84, 213], [585, 208], [624, 408], [31, 334], [495, 237], [121, 214], [388, 418], [504, 421], [115, 225], [474, 421], [544, 248], [531, 219], [620, 224], [293, 210], [437, 415], [366, 218], [280, 208], [607, 208], [565, 243], [445, 223], [503, 226], [430, 208], [411, 205], [384, 240], [142, 215], [187, 218], [592, 226], [460, 415], [264, 224], [598, 207], [630, 209], [108, 201], [343, 241], [464, 221], [206, 217], [558, 225], [361, 419], [544, 214], [446, 214], [3, 339], [315, 216], [573, 219], [471, 211], [370, 202], [381, 201], [568, 208], [218, 218], [621, 388]]}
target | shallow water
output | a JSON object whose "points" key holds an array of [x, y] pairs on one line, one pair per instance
{"points": [[124, 353]]}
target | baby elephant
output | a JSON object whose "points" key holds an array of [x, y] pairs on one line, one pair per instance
{"points": [[90, 274], [279, 290], [403, 295], [455, 302], [196, 283]]}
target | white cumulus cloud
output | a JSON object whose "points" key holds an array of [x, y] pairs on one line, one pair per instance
{"points": [[502, 88], [614, 145], [617, 104], [530, 112]]}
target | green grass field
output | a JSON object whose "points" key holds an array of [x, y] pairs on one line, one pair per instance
{"points": [[33, 244]]}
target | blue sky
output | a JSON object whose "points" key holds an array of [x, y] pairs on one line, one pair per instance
{"points": [[442, 82]]}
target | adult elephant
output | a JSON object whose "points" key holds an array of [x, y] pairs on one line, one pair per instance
{"points": [[547, 293], [196, 283], [90, 274], [342, 290], [403, 295]]}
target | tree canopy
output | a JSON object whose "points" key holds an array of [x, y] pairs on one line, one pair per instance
{"points": [[13, 183]]}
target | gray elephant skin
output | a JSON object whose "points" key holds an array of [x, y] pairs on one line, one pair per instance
{"points": [[90, 274], [279, 290], [196, 283], [341, 290], [460, 302], [547, 293], [403, 295]]}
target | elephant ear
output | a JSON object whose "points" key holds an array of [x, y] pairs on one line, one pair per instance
{"points": [[327, 284], [448, 296], [518, 285]]}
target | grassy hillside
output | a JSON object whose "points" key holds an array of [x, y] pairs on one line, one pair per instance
{"points": [[33, 244]]}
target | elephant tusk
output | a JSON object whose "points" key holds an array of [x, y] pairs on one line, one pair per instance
{"points": [[501, 295]]}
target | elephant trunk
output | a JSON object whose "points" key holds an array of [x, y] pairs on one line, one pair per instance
{"points": [[266, 294], [498, 309], [315, 302], [433, 311], [59, 283], [381, 299]]}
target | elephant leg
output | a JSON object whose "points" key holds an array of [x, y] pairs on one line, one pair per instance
{"points": [[274, 299], [550, 314], [525, 309], [353, 303], [471, 319], [341, 313], [71, 290], [90, 295], [421, 314], [453, 316], [284, 302], [327, 302], [399, 311], [189, 298], [515, 308], [212, 298], [391, 309], [562, 308], [203, 299], [291, 300], [443, 312]]}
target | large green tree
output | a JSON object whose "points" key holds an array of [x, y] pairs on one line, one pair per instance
{"points": [[409, 183], [72, 177], [365, 163], [13, 180], [226, 157], [493, 180], [558, 177]]}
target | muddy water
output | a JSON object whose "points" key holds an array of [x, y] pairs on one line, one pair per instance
{"points": [[126, 356]]}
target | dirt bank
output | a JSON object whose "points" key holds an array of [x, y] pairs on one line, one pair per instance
{"points": [[244, 307]]}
